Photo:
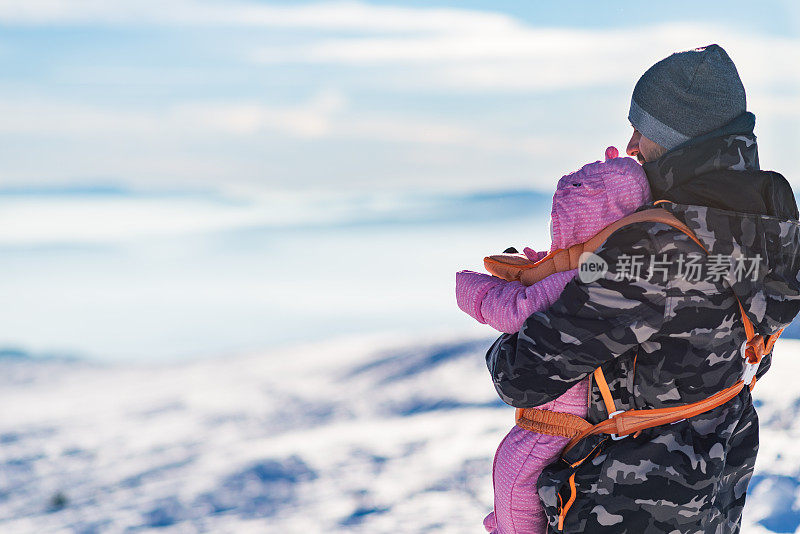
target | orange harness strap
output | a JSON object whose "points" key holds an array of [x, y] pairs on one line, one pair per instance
{"points": [[573, 494], [602, 385], [513, 267], [563, 424], [755, 348], [632, 421], [551, 423]]}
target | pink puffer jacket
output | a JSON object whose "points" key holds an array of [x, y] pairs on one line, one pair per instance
{"points": [[584, 203]]}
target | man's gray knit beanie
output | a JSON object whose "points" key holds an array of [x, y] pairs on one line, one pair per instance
{"points": [[686, 95]]}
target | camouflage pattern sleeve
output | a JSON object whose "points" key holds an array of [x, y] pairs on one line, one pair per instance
{"points": [[591, 323]]}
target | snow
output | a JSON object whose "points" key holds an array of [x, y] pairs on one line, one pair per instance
{"points": [[363, 434]]}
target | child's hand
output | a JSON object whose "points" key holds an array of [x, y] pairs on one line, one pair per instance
{"points": [[533, 255], [471, 288]]}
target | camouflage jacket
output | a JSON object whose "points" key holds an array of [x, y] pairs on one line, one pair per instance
{"points": [[665, 336]]}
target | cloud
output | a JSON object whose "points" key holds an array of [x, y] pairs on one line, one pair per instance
{"points": [[452, 49], [334, 16], [316, 141], [368, 80], [326, 115], [518, 57], [25, 115], [312, 119], [106, 220]]}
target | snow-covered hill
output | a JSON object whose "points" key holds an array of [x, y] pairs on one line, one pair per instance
{"points": [[365, 434]]}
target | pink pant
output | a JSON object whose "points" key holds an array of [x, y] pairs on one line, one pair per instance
{"points": [[520, 459]]}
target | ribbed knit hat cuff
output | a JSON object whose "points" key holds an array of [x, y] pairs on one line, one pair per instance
{"points": [[654, 129]]}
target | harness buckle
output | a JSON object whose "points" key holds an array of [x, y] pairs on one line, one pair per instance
{"points": [[750, 368], [615, 437]]}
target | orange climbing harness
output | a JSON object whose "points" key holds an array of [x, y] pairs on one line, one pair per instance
{"points": [[620, 423]]}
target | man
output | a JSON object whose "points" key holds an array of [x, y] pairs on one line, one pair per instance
{"points": [[664, 322]]}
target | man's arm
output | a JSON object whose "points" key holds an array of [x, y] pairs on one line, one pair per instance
{"points": [[589, 324]]}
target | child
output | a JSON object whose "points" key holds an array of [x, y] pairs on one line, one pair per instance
{"points": [[584, 203]]}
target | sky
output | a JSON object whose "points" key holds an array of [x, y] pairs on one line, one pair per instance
{"points": [[244, 97], [200, 177]]}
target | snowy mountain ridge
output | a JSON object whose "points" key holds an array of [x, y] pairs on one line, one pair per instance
{"points": [[363, 434]]}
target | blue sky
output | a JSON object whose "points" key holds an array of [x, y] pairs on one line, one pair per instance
{"points": [[170, 170], [257, 96]]}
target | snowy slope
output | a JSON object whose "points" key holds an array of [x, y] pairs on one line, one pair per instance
{"points": [[365, 434]]}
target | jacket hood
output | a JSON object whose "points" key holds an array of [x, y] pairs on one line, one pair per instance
{"points": [[746, 218], [588, 200]]}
